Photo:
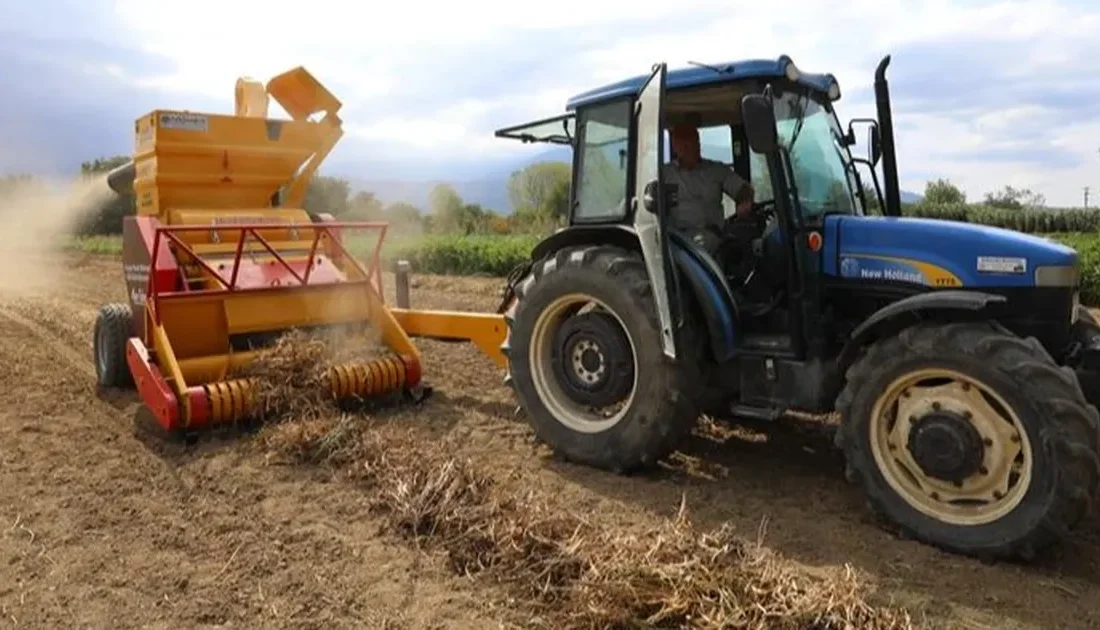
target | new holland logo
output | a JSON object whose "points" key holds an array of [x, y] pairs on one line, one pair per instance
{"points": [[849, 267]]}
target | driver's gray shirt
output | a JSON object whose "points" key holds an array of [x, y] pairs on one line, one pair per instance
{"points": [[700, 192]]}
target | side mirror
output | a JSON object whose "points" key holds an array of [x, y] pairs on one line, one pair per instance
{"points": [[759, 119], [649, 197], [874, 151]]}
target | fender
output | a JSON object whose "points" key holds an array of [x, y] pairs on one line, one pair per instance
{"points": [[622, 236], [712, 295], [907, 310], [702, 275]]}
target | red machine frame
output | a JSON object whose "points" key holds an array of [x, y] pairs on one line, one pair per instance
{"points": [[331, 229]]}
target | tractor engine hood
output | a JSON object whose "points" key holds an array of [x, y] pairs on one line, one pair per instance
{"points": [[943, 253]]}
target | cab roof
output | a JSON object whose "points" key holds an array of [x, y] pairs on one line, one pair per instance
{"points": [[709, 74]]}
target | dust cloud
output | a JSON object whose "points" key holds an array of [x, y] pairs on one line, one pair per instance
{"points": [[36, 217]]}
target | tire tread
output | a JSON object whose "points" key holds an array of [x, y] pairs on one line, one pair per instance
{"points": [[1072, 425]]}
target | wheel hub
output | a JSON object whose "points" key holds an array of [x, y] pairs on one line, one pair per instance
{"points": [[946, 446], [592, 360], [589, 364]]}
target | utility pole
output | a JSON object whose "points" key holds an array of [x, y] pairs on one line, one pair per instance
{"points": [[1086, 196]]}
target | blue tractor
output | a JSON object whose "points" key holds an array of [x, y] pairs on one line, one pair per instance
{"points": [[956, 356]]}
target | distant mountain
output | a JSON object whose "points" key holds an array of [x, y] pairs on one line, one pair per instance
{"points": [[911, 197], [489, 193]]}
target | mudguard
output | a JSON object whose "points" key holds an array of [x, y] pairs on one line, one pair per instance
{"points": [[618, 235], [712, 294], [698, 271], [897, 313]]}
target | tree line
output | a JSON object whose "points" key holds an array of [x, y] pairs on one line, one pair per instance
{"points": [[942, 191]]}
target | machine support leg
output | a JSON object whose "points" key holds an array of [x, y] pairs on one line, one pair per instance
{"points": [[401, 280]]}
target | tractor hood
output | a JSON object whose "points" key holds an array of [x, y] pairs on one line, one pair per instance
{"points": [[936, 252]]}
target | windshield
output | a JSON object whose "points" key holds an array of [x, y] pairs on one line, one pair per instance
{"points": [[822, 170]]}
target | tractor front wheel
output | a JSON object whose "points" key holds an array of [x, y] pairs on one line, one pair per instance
{"points": [[586, 362], [113, 327], [971, 439]]}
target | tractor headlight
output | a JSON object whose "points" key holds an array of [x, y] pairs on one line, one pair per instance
{"points": [[834, 91], [1057, 276]]}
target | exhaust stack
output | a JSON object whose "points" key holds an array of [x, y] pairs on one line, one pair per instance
{"points": [[886, 129]]}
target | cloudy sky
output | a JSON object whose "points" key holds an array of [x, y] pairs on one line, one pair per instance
{"points": [[985, 93]]}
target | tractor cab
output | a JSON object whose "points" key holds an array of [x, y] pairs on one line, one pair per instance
{"points": [[760, 266]]}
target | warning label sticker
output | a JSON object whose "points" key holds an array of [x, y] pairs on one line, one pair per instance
{"points": [[1001, 264], [185, 122]]}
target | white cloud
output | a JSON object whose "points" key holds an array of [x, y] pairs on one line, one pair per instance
{"points": [[414, 75]]}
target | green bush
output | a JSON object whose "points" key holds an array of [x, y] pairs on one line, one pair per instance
{"points": [[1030, 221], [1088, 250], [489, 255], [98, 245]]}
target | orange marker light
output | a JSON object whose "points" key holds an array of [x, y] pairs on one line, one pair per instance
{"points": [[813, 239]]}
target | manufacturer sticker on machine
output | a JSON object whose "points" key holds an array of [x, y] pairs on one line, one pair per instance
{"points": [[1000, 264], [185, 122]]}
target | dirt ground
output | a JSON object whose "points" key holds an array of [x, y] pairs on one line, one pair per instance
{"points": [[104, 526]]}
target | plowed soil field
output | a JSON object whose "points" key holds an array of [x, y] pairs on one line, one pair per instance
{"points": [[104, 524]]}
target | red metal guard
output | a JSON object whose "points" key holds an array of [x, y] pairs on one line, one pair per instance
{"points": [[170, 233]]}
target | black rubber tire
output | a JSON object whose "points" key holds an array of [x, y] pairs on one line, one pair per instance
{"points": [[1061, 425], [663, 409], [113, 327]]}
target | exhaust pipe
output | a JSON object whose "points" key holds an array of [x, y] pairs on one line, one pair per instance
{"points": [[121, 179], [886, 130]]}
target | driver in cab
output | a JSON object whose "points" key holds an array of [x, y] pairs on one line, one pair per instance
{"points": [[699, 214]]}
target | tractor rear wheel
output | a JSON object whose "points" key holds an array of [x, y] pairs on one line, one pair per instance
{"points": [[586, 362], [113, 327], [971, 439]]}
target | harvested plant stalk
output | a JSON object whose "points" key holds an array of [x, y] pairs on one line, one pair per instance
{"points": [[291, 376], [575, 572]]}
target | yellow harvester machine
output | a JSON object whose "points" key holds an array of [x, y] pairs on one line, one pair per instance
{"points": [[221, 259]]}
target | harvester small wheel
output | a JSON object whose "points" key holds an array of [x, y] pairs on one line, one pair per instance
{"points": [[587, 365], [970, 438], [113, 327]]}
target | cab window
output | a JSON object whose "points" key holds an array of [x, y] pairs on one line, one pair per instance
{"points": [[603, 143]]}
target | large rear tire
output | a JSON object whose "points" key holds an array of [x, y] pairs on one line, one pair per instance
{"points": [[971, 439], [113, 328], [584, 337]]}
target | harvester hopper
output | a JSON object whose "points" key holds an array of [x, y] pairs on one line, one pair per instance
{"points": [[221, 259]]}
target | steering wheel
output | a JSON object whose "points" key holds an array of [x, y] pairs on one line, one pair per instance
{"points": [[764, 210], [740, 233]]}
